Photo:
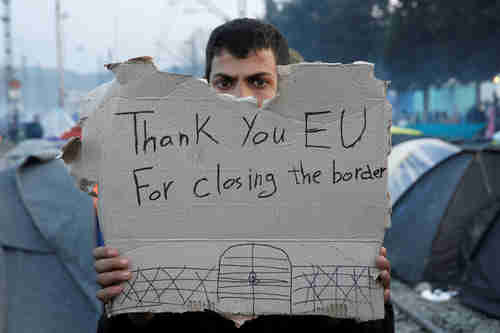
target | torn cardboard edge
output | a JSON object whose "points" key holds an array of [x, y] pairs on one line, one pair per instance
{"points": [[128, 87], [71, 152]]}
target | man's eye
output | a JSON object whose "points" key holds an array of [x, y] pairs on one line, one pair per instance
{"points": [[223, 84], [259, 83]]}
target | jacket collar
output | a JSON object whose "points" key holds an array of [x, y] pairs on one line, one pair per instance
{"points": [[64, 216]]}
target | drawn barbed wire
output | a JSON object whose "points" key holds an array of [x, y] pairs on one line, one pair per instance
{"points": [[253, 273], [167, 285], [333, 288]]}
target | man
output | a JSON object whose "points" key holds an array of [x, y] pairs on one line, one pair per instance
{"points": [[241, 60], [34, 129]]}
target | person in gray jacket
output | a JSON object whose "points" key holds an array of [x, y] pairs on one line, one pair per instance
{"points": [[47, 279]]}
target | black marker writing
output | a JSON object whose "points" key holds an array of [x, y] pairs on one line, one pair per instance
{"points": [[356, 174], [148, 139], [154, 195], [134, 120], [202, 129], [265, 184], [195, 188], [342, 130], [261, 136], [302, 176], [314, 130]]}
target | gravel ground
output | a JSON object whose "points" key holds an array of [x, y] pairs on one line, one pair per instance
{"points": [[450, 316]]}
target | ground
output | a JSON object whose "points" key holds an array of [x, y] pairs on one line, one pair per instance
{"points": [[451, 316]]}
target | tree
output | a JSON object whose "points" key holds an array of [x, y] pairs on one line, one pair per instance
{"points": [[429, 41], [332, 30]]}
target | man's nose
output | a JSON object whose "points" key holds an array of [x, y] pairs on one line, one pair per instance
{"points": [[243, 90]]}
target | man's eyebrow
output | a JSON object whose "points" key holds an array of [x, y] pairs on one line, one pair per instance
{"points": [[224, 76], [258, 75]]}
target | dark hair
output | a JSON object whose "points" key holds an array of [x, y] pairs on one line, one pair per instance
{"points": [[242, 36]]}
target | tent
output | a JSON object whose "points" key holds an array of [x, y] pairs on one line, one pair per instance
{"points": [[445, 218], [410, 160], [43, 149], [481, 288]]}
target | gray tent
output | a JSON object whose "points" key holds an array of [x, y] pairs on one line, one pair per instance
{"points": [[445, 221]]}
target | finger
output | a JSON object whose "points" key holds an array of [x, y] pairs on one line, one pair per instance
{"points": [[383, 264], [104, 252], [259, 103], [112, 264], [107, 294], [113, 278], [385, 279], [387, 295], [383, 251]]}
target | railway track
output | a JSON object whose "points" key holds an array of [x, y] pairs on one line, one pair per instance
{"points": [[414, 314], [424, 324]]}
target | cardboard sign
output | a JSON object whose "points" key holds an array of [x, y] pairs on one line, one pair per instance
{"points": [[221, 205]]}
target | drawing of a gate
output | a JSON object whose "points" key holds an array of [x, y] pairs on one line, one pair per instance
{"points": [[255, 273]]}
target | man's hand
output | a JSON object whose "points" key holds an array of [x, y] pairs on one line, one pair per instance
{"points": [[385, 275], [111, 271]]}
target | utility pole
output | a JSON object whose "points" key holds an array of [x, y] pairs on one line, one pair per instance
{"points": [[242, 8], [42, 94], [59, 51], [111, 58], [115, 42], [24, 70], [12, 86], [214, 10], [194, 57], [99, 67], [9, 70]]}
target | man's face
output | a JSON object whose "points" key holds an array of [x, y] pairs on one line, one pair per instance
{"points": [[255, 75]]}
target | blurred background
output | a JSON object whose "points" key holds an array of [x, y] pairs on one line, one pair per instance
{"points": [[441, 56]]}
